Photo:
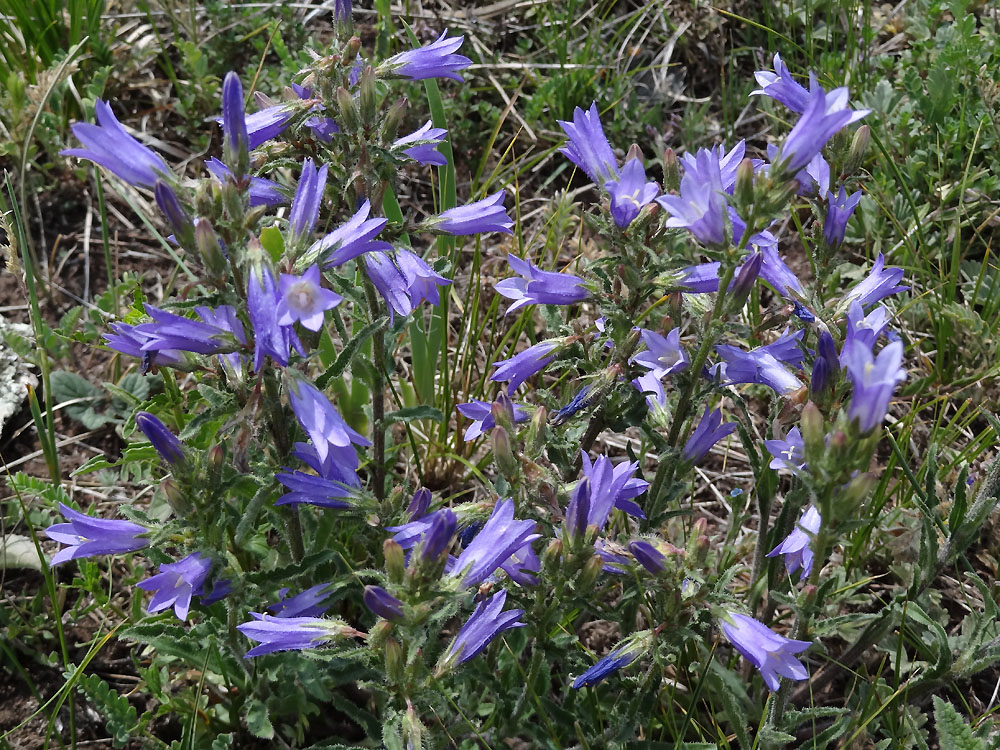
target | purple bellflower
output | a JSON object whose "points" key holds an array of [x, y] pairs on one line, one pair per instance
{"points": [[481, 412], [523, 565], [652, 387], [435, 60], [323, 128], [728, 163], [823, 116], [270, 338], [780, 86], [797, 546], [309, 603], [174, 332], [265, 124], [422, 281], [304, 299], [700, 279], [309, 489], [776, 272], [618, 658], [382, 603], [499, 538], [485, 624], [430, 535], [701, 205], [350, 239], [826, 366], [880, 283], [522, 366], [709, 431], [88, 536], [292, 633], [339, 465], [652, 553], [125, 339], [664, 355], [538, 287], [630, 192], [305, 205], [611, 486], [771, 653], [108, 143], [235, 140], [320, 419], [486, 215], [421, 145], [789, 454], [838, 212], [176, 583], [765, 363], [419, 503], [177, 217], [867, 328], [588, 147], [166, 443], [261, 192], [814, 177], [874, 379], [391, 283]]}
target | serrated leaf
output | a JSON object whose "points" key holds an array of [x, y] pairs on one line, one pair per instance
{"points": [[258, 721], [95, 464], [348, 352], [953, 732], [80, 397]]}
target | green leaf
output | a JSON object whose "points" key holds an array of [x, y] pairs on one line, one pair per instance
{"points": [[273, 242], [80, 396], [953, 732], [414, 412], [340, 365], [18, 551]]}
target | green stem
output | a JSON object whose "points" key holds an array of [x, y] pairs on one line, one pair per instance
{"points": [[378, 392]]}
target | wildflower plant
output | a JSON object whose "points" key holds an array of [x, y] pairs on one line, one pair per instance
{"points": [[284, 372]]}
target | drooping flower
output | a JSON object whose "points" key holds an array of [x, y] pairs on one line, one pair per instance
{"points": [[322, 127], [481, 412], [701, 205], [421, 145], [309, 489], [880, 283], [166, 443], [435, 60], [422, 281], [485, 624], [797, 546], [630, 192], [789, 453], [303, 299], [780, 86], [177, 217], [349, 240], [823, 116], [293, 633], [270, 338], [382, 603], [700, 279], [88, 536], [320, 419], [309, 603], [108, 143], [664, 354], [307, 200], [588, 147], [709, 431], [391, 283], [652, 387], [873, 379], [618, 658], [772, 654], [126, 339], [838, 212], [765, 364], [538, 287], [486, 215], [522, 366], [174, 332], [177, 583], [499, 538]]}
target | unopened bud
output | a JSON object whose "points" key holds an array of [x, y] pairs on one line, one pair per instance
{"points": [[671, 172], [395, 661], [502, 410], [634, 152], [743, 191], [351, 50], [382, 603], [395, 561], [413, 730], [813, 433], [588, 576], [368, 96], [350, 117], [535, 438], [209, 247], [744, 281], [393, 119], [551, 557], [378, 633], [859, 149], [503, 454], [176, 499]]}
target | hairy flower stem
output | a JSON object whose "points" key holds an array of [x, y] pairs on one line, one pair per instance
{"points": [[276, 418], [378, 394]]}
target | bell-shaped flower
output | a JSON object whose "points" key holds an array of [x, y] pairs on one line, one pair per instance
{"points": [[270, 337], [538, 287], [303, 299], [709, 431], [618, 658], [382, 603], [824, 115], [261, 192], [873, 380], [630, 192], [499, 538], [701, 205], [485, 624], [664, 354], [797, 546], [788, 454], [435, 60], [486, 215], [164, 441], [293, 633], [772, 654], [349, 240], [765, 364], [172, 332], [422, 281], [481, 412], [309, 603], [880, 283], [88, 536], [307, 201], [839, 210], [588, 147], [522, 366], [177, 583], [320, 419], [421, 145]]}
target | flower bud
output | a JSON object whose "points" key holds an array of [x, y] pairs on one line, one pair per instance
{"points": [[393, 119], [177, 218], [419, 504], [209, 247], [350, 117], [413, 730], [671, 172], [858, 150], [845, 503], [535, 438], [744, 281], [634, 152], [176, 499], [395, 561], [813, 433], [503, 411], [368, 96], [378, 633], [743, 193], [351, 50], [551, 557], [171, 449], [382, 603], [503, 454], [395, 661], [588, 576]]}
